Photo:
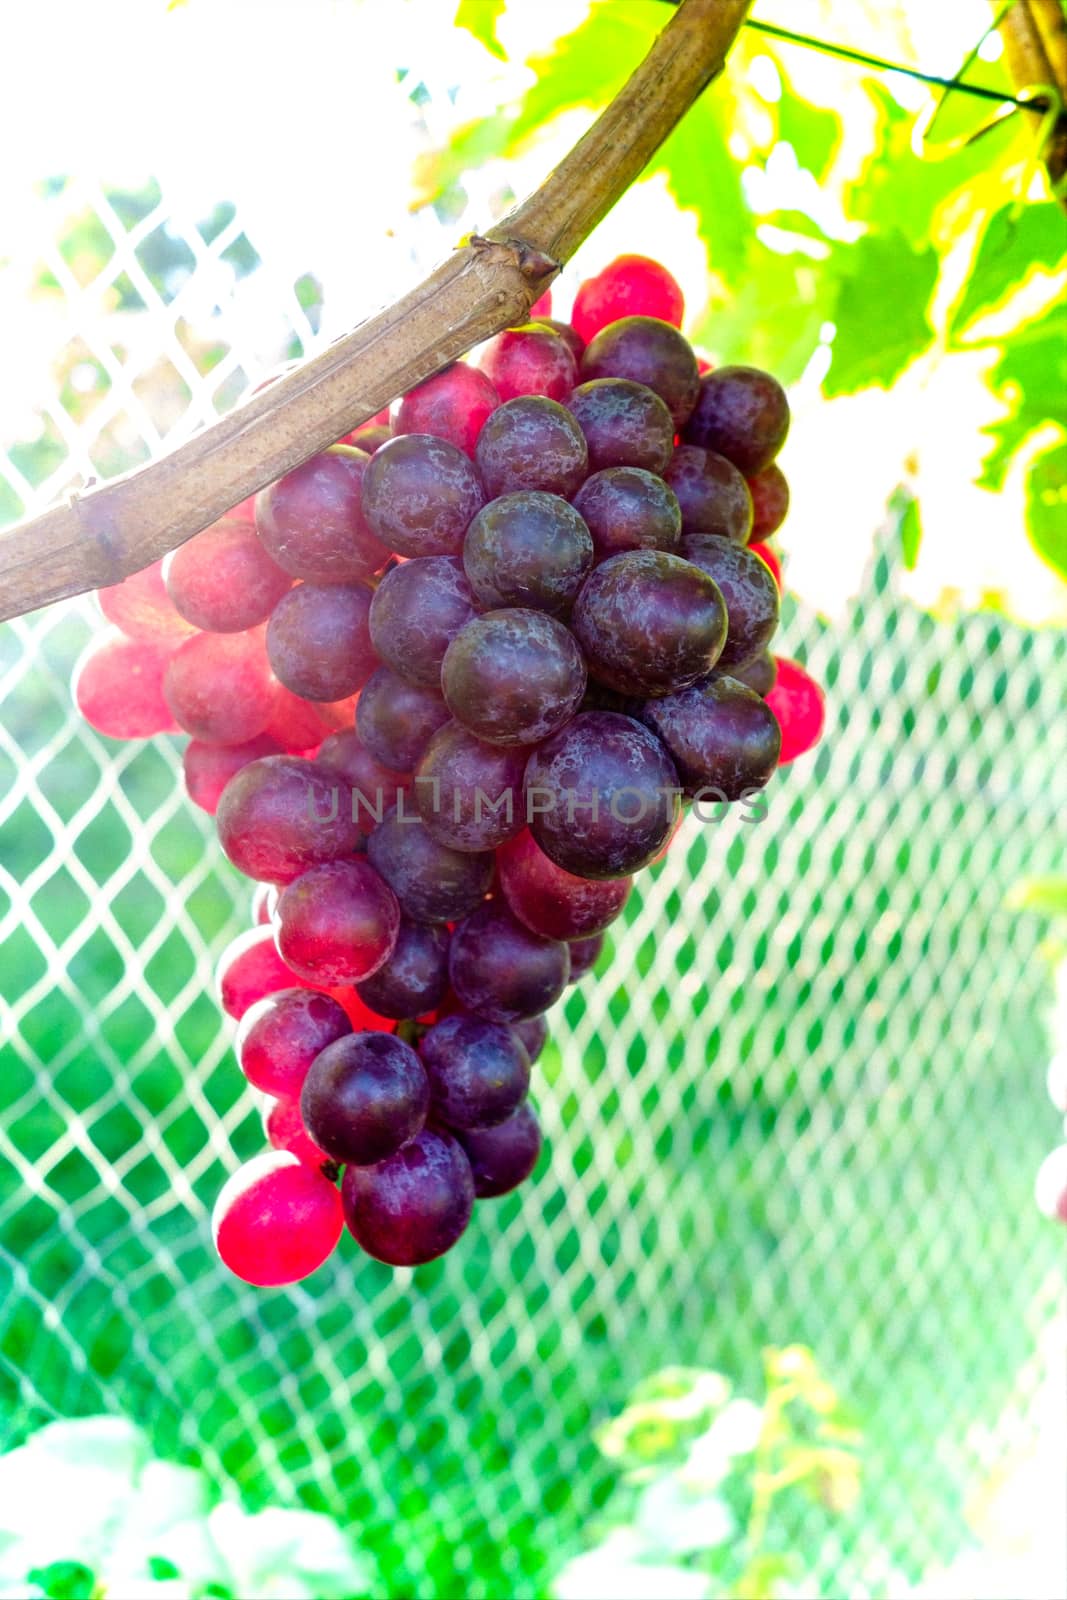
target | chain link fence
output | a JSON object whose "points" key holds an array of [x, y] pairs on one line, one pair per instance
{"points": [[803, 1101]]}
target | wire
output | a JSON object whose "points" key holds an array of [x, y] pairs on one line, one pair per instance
{"points": [[864, 60]]}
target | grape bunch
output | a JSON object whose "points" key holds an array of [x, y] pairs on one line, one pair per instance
{"points": [[448, 687]]}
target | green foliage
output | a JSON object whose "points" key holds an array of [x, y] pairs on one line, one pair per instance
{"points": [[480, 17], [887, 286], [1014, 242]]}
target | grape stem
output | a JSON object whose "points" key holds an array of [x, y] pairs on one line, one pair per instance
{"points": [[489, 283]]}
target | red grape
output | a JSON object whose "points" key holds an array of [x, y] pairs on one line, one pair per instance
{"points": [[417, 610], [573, 340], [371, 436], [532, 359], [504, 1156], [532, 443], [453, 405], [364, 1097], [469, 794], [223, 580], [720, 735], [800, 707], [750, 593], [649, 351], [284, 1127], [208, 768], [312, 523], [142, 609], [281, 815], [118, 687], [625, 424], [528, 549], [513, 677], [337, 922], [769, 559], [627, 508], [500, 970], [713, 496], [770, 501], [249, 968], [419, 495], [552, 902], [542, 307], [264, 903], [219, 687], [650, 622], [479, 1072], [318, 640], [280, 1036], [374, 787], [296, 724], [630, 286], [413, 1206], [276, 1220], [742, 414]]}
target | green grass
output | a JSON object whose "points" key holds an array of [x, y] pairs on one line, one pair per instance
{"points": [[807, 1108]]}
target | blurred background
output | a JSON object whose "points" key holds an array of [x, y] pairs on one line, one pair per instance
{"points": [[779, 1315]]}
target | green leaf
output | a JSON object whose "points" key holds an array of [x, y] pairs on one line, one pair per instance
{"points": [[480, 18], [1046, 506], [1031, 378], [911, 533], [881, 312], [1046, 895], [64, 1580], [1010, 247], [813, 132]]}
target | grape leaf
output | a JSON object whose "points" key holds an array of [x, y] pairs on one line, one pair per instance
{"points": [[1031, 377], [1010, 246], [880, 311], [1046, 506], [911, 531], [480, 18]]}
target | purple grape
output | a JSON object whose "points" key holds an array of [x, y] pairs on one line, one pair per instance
{"points": [[720, 734], [502, 971], [528, 549], [532, 442], [469, 794], [414, 978], [749, 590], [552, 902], [627, 508], [318, 640], [312, 523], [413, 1206], [396, 720], [503, 1157], [585, 953], [713, 496], [373, 787], [532, 1034], [760, 674], [602, 796], [417, 610], [742, 414], [419, 495], [770, 501], [479, 1072], [280, 815], [625, 424], [649, 622], [364, 1096], [432, 882], [570, 336], [650, 352], [513, 677]]}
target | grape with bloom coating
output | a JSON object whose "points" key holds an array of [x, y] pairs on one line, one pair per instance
{"points": [[417, 610], [479, 1072], [552, 902], [396, 719], [453, 405], [280, 1036], [414, 978], [318, 640], [281, 815], [530, 359], [219, 688], [770, 501], [311, 520], [649, 622], [602, 795], [119, 687], [141, 608], [532, 1033], [224, 580], [629, 286], [364, 1097], [504, 1156], [419, 495], [585, 953], [337, 923], [649, 351], [532, 443], [713, 496], [469, 794], [720, 735], [627, 508], [528, 549], [625, 424], [208, 768], [413, 1206], [742, 414], [571, 338], [513, 677], [432, 882], [502, 971], [276, 1220], [759, 674], [750, 593], [374, 787]]}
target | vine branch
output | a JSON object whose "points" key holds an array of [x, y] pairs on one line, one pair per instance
{"points": [[488, 284], [1034, 33]]}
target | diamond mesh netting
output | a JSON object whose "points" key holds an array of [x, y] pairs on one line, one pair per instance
{"points": [[803, 1102]]}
